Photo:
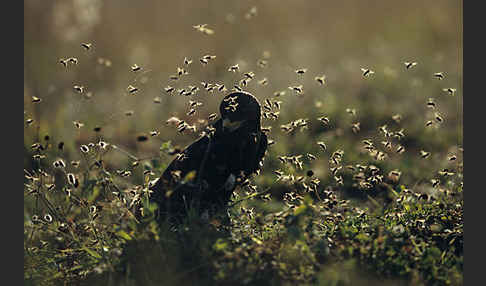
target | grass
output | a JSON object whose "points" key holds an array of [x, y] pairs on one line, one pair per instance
{"points": [[357, 212]]}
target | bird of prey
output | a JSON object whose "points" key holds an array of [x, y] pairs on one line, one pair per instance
{"points": [[205, 174]]}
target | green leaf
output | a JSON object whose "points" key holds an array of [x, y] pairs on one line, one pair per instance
{"points": [[166, 146], [362, 236], [407, 207], [259, 242], [94, 194], [302, 208], [189, 176], [92, 252], [390, 252], [124, 235], [220, 244]]}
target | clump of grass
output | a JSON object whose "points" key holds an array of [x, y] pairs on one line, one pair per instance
{"points": [[86, 230]]}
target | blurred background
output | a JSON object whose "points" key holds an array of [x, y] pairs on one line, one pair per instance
{"points": [[107, 65], [331, 38]]}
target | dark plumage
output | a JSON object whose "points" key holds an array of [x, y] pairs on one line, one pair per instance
{"points": [[220, 160]]}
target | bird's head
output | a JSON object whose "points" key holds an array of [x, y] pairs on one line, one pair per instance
{"points": [[239, 108]]}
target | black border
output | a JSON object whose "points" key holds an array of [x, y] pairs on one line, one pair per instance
{"points": [[474, 197], [12, 207]]}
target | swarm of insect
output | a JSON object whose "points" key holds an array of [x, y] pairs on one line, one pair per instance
{"points": [[387, 144], [311, 157], [298, 89], [399, 134], [59, 163], [400, 149], [321, 79], [301, 71], [397, 118], [336, 157], [220, 87], [73, 180], [203, 29], [435, 182], [384, 130], [78, 124], [451, 157], [104, 62], [174, 121], [234, 68], [324, 120], [334, 170], [450, 91], [439, 75], [322, 145], [252, 13], [187, 61], [277, 104], [73, 60], [356, 127], [394, 176], [84, 148], [181, 72], [206, 58], [351, 111], [298, 123], [431, 103], [268, 105], [438, 117], [263, 81], [64, 62], [446, 173], [262, 63], [87, 46], [136, 68], [249, 75], [132, 89], [88, 95], [79, 88], [424, 154], [339, 180], [367, 72], [409, 65]]}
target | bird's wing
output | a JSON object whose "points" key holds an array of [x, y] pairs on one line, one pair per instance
{"points": [[191, 161], [193, 157], [254, 153], [262, 148], [172, 196]]}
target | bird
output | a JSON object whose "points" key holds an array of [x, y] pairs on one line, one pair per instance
{"points": [[205, 173]]}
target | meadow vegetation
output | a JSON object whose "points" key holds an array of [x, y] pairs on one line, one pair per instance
{"points": [[362, 183]]}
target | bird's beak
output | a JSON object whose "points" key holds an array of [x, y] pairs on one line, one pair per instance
{"points": [[231, 126]]}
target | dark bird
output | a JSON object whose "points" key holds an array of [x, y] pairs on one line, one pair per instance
{"points": [[207, 171]]}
